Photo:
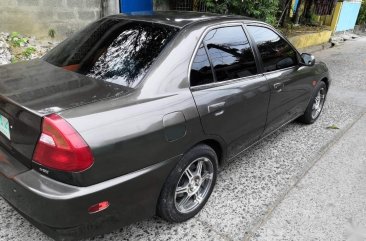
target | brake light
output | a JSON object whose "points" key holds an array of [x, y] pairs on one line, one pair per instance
{"points": [[60, 147]]}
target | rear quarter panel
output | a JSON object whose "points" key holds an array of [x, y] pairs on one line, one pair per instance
{"points": [[127, 134], [129, 138]]}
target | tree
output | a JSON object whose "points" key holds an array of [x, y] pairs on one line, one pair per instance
{"points": [[286, 4], [362, 14], [265, 10], [306, 16]]}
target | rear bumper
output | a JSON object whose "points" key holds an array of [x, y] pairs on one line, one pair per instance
{"points": [[61, 210]]}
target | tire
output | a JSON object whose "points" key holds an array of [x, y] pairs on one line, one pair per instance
{"points": [[315, 105], [185, 184]]}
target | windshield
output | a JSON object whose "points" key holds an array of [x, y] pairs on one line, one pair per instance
{"points": [[113, 50]]}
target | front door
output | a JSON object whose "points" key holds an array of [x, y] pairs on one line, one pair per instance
{"points": [[290, 83], [231, 97]]}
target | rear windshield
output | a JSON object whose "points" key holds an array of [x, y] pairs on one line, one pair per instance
{"points": [[114, 50]]}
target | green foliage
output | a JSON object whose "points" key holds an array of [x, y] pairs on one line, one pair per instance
{"points": [[362, 14], [265, 10], [17, 40], [14, 60], [51, 33], [28, 52]]}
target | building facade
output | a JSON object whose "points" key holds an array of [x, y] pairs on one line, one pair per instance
{"points": [[37, 17]]}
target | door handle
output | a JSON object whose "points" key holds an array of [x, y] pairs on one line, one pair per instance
{"points": [[217, 109], [278, 86]]}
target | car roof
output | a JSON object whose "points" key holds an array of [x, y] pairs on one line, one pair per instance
{"points": [[178, 19]]}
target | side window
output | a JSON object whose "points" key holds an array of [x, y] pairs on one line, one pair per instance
{"points": [[230, 53], [201, 72], [276, 53]]}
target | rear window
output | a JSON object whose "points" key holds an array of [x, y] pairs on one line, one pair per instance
{"points": [[113, 50]]}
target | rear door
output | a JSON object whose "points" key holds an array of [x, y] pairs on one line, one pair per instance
{"points": [[230, 94], [290, 83]]}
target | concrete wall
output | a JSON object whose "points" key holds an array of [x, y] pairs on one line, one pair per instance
{"points": [[36, 17], [310, 39], [345, 15], [348, 16]]}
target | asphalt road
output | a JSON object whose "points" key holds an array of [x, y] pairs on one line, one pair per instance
{"points": [[252, 192]]}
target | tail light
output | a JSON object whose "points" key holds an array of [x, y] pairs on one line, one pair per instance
{"points": [[60, 147]]}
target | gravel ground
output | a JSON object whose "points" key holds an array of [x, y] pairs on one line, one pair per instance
{"points": [[253, 184], [10, 52]]}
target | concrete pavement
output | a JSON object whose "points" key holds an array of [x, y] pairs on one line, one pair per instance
{"points": [[253, 187], [329, 203]]}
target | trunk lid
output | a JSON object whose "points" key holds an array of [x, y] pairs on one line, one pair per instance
{"points": [[30, 90]]}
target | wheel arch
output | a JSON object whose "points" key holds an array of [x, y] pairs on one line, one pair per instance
{"points": [[217, 146], [326, 81]]}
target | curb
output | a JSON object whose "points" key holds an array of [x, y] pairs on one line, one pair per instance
{"points": [[324, 149], [315, 48]]}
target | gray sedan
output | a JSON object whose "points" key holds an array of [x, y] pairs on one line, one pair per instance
{"points": [[133, 116]]}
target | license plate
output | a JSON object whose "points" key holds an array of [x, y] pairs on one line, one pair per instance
{"points": [[4, 126]]}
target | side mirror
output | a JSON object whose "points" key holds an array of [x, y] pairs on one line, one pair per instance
{"points": [[307, 59]]}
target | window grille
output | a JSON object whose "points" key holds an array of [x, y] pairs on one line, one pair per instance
{"points": [[190, 5]]}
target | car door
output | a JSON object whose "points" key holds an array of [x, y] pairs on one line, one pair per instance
{"points": [[231, 96], [290, 83]]}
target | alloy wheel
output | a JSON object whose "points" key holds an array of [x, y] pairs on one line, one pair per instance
{"points": [[318, 104], [194, 185]]}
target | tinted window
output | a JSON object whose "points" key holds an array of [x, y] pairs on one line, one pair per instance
{"points": [[230, 53], [201, 72], [276, 52], [113, 50]]}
